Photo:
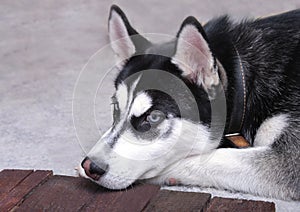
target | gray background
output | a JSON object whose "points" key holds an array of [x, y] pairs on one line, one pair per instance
{"points": [[43, 47]]}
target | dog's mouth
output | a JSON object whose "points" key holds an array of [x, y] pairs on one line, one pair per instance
{"points": [[107, 180]]}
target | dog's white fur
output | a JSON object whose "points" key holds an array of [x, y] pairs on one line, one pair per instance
{"points": [[223, 168], [187, 154], [121, 95], [190, 160], [140, 105], [132, 159], [194, 138], [270, 130]]}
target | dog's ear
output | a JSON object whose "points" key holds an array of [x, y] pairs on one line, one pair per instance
{"points": [[194, 57], [125, 40]]}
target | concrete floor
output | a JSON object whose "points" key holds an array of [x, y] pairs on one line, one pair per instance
{"points": [[43, 47]]}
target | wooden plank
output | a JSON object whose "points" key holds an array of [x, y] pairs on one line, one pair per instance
{"points": [[178, 201], [60, 193], [18, 193], [219, 204], [9, 179], [102, 201], [25, 190], [131, 200], [135, 199]]}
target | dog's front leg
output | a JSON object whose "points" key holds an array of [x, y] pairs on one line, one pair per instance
{"points": [[244, 170]]}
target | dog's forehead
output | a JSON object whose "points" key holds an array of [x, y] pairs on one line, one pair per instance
{"points": [[164, 49], [157, 56]]}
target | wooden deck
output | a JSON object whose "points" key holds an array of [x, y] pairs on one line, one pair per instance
{"points": [[27, 190]]}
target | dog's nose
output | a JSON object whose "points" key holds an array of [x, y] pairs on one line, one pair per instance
{"points": [[91, 169]]}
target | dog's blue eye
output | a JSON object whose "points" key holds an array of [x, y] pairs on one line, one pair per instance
{"points": [[156, 117]]}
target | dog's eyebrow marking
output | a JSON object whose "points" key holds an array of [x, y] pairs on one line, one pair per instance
{"points": [[270, 130], [141, 104]]}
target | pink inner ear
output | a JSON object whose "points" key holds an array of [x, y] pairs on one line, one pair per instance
{"points": [[193, 55], [118, 35], [193, 37], [117, 28]]}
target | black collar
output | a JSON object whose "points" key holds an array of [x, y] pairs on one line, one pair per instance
{"points": [[239, 99]]}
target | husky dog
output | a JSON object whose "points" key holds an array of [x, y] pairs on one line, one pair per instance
{"points": [[157, 137]]}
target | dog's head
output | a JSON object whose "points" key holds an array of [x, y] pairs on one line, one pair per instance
{"points": [[161, 106]]}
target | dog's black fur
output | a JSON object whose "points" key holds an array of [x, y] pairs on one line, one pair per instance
{"points": [[270, 53], [268, 50]]}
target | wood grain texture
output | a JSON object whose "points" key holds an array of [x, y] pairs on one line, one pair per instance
{"points": [[9, 179], [40, 191], [24, 187], [131, 200], [178, 201], [62, 193], [219, 204]]}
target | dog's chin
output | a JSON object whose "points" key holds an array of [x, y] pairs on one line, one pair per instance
{"points": [[113, 182]]}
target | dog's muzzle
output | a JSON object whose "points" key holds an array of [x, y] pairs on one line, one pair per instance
{"points": [[92, 170]]}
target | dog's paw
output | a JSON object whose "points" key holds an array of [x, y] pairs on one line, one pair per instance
{"points": [[172, 182]]}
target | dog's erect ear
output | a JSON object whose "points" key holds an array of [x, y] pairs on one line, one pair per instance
{"points": [[194, 57], [125, 40]]}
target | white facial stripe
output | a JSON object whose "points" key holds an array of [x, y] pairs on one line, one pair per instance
{"points": [[125, 102], [141, 104], [270, 130], [122, 95]]}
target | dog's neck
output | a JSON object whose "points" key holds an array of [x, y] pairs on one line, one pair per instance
{"points": [[233, 131], [239, 98]]}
